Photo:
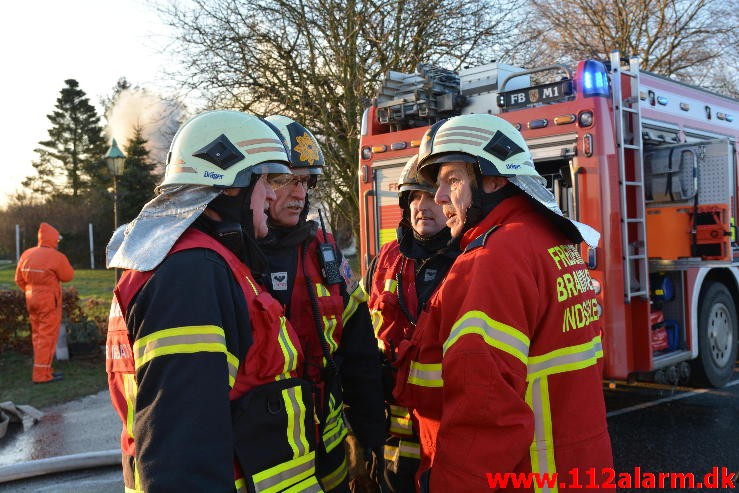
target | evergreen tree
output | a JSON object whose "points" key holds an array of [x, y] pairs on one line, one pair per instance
{"points": [[46, 181], [136, 186], [76, 144]]}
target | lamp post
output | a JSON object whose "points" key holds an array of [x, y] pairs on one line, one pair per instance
{"points": [[116, 161]]}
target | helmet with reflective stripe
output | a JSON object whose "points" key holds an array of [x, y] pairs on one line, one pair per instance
{"points": [[410, 180], [491, 142], [224, 149], [302, 147], [497, 149]]}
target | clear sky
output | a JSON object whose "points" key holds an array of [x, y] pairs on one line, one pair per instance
{"points": [[45, 42]]}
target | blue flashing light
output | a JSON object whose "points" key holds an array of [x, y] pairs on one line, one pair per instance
{"points": [[594, 79]]}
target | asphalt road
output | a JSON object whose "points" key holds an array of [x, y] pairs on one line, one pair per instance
{"points": [[659, 428]]}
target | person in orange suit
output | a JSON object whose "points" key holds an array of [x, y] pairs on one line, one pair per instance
{"points": [[40, 272]]}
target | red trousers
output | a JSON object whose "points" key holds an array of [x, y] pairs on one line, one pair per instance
{"points": [[45, 314]]}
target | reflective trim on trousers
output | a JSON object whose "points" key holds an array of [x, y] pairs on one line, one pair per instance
{"points": [[400, 421], [287, 475], [541, 450], [240, 485], [334, 430], [405, 448], [334, 479]]}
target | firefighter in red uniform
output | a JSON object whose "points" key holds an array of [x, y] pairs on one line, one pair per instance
{"points": [[328, 309], [203, 367], [399, 281], [40, 271], [502, 370]]}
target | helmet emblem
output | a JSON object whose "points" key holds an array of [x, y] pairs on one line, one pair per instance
{"points": [[502, 147], [306, 148], [220, 152]]}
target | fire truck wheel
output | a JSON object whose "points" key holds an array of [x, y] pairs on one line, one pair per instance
{"points": [[717, 336]]}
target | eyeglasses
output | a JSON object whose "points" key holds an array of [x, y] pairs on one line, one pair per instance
{"points": [[278, 181]]}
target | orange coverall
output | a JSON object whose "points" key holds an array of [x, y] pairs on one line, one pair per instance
{"points": [[40, 272]]}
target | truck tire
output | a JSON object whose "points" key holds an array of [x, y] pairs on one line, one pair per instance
{"points": [[717, 337]]}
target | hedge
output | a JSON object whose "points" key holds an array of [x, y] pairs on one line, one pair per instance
{"points": [[15, 328]]}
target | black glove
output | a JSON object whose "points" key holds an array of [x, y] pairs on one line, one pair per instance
{"points": [[374, 463]]}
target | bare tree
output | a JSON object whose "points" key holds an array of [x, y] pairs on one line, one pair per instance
{"points": [[680, 38], [320, 61]]}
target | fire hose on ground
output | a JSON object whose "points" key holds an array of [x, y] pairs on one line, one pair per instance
{"points": [[64, 463]]}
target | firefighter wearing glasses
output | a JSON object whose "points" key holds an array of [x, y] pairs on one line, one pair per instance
{"points": [[502, 370], [203, 366], [400, 280], [309, 276]]}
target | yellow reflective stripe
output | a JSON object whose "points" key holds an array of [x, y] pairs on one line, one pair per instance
{"points": [[329, 327], [136, 476], [565, 359], [496, 334], [309, 485], [129, 393], [541, 450], [295, 408], [400, 420], [376, 316], [357, 297], [334, 430], [405, 448], [253, 286], [132, 490], [391, 285], [233, 368], [180, 340], [334, 479], [410, 449], [240, 485], [322, 290], [334, 436], [425, 374], [391, 453], [285, 475], [289, 353], [401, 426]]}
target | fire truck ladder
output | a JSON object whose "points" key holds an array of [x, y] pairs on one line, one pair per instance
{"points": [[627, 119]]}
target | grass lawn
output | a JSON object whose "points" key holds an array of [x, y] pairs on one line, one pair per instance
{"points": [[98, 283], [82, 376]]}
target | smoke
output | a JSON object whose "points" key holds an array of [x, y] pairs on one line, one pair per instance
{"points": [[158, 117]]}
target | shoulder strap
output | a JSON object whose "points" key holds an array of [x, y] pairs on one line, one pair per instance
{"points": [[480, 240]]}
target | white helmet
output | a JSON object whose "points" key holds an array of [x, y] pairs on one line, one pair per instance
{"points": [[224, 149], [497, 149], [491, 142]]}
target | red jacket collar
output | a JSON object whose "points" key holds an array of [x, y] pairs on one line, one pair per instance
{"points": [[502, 213]]}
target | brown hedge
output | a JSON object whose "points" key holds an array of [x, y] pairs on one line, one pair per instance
{"points": [[14, 326]]}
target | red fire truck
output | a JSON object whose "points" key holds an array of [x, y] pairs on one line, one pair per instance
{"points": [[648, 161]]}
